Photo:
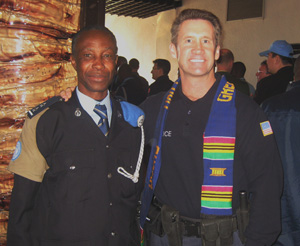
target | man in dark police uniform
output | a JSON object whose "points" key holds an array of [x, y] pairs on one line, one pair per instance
{"points": [[75, 184], [209, 143]]}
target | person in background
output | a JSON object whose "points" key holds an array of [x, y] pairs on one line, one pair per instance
{"points": [[209, 143], [224, 67], [73, 164], [160, 71], [116, 81], [135, 65], [283, 112], [280, 65], [238, 71], [262, 71], [131, 88]]}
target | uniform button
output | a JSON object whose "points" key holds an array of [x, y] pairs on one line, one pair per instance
{"points": [[72, 167], [109, 175], [190, 111], [107, 146], [110, 204], [113, 233]]}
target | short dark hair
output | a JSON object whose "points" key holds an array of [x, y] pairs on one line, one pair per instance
{"points": [[238, 69], [124, 71], [285, 60], [225, 56], [89, 28], [264, 63], [164, 65], [134, 63], [121, 60], [196, 14]]}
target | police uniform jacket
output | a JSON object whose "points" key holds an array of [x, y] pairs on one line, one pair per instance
{"points": [[257, 167], [283, 112], [67, 189]]}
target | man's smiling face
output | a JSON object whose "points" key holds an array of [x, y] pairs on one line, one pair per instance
{"points": [[196, 51], [95, 61]]}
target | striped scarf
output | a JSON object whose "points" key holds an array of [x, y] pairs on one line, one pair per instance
{"points": [[218, 153]]}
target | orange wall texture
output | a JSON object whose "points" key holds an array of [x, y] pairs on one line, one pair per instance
{"points": [[35, 48]]}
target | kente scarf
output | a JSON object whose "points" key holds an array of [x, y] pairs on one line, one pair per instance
{"points": [[218, 153]]}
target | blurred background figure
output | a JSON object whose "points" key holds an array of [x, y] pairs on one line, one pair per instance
{"points": [[135, 65], [284, 114], [280, 65], [116, 82], [160, 71], [130, 88], [224, 67], [121, 60], [238, 71], [262, 71]]}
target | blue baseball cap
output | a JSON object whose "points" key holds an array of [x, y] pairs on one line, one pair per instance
{"points": [[279, 47]]}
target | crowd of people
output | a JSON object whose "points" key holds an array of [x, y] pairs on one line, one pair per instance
{"points": [[135, 89], [128, 85], [218, 162]]}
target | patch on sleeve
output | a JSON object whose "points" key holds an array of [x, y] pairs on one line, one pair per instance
{"points": [[266, 128], [17, 151]]}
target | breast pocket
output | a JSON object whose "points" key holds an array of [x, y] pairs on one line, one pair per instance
{"points": [[70, 175]]}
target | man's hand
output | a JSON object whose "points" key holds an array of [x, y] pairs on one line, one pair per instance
{"points": [[66, 94]]}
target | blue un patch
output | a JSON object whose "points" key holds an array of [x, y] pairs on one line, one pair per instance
{"points": [[17, 151]]}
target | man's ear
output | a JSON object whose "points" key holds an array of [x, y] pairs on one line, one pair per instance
{"points": [[173, 50], [217, 53], [73, 61], [278, 59]]}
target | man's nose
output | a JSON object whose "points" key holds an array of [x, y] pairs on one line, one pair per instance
{"points": [[98, 63], [198, 47]]}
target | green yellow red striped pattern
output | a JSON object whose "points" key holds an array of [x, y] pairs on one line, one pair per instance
{"points": [[218, 148], [216, 197]]}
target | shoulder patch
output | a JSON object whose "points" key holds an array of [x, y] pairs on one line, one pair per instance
{"points": [[132, 114], [17, 151], [266, 128], [39, 108]]}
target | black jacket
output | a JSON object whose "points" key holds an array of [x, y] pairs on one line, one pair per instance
{"points": [[163, 83], [274, 84], [257, 167], [82, 199]]}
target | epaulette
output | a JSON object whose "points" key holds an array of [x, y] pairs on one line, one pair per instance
{"points": [[39, 108], [132, 114]]}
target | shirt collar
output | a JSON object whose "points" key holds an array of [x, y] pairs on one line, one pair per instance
{"points": [[89, 103]]}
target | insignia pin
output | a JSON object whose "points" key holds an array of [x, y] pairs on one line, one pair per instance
{"points": [[77, 112], [119, 115]]}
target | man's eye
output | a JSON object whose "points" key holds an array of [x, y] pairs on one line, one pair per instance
{"points": [[189, 40], [205, 41], [107, 55], [87, 55]]}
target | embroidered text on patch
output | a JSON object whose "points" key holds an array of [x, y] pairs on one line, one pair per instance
{"points": [[266, 128], [226, 93], [217, 172]]}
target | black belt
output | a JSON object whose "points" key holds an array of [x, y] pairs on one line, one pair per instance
{"points": [[191, 227]]}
